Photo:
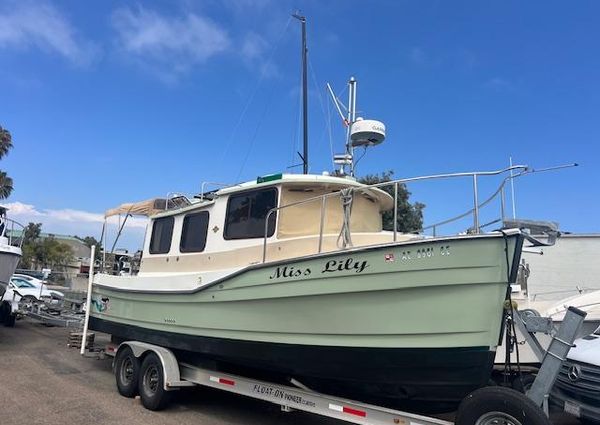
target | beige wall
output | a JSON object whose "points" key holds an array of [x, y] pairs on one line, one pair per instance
{"points": [[305, 219]]}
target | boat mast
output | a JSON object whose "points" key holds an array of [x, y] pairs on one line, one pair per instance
{"points": [[351, 119], [302, 20]]}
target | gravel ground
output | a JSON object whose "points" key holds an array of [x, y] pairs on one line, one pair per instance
{"points": [[44, 382]]}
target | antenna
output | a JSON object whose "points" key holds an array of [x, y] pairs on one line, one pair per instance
{"points": [[304, 156], [512, 189], [359, 132]]}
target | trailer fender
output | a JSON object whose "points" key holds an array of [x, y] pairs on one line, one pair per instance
{"points": [[168, 360]]}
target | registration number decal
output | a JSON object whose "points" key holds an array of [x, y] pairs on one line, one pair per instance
{"points": [[425, 253]]}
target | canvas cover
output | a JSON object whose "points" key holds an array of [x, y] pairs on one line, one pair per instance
{"points": [[146, 208]]}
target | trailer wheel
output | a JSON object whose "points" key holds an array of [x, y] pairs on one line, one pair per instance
{"points": [[127, 372], [530, 312], [27, 302], [151, 384], [499, 406], [4, 311], [10, 320]]}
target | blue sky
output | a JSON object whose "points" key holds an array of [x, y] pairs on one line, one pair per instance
{"points": [[110, 102]]}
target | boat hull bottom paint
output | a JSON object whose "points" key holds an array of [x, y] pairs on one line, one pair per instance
{"points": [[417, 379]]}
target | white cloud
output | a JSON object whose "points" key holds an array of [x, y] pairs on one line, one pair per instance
{"points": [[68, 221], [171, 45], [80, 223], [418, 56], [243, 7], [253, 46], [26, 212], [500, 84], [26, 24], [253, 50], [20, 209]]}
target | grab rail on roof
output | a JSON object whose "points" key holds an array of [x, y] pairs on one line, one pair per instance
{"points": [[476, 228]]}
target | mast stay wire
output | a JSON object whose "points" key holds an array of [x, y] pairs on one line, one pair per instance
{"points": [[330, 136], [327, 121], [253, 138], [253, 93]]}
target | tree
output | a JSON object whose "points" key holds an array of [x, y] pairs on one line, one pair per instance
{"points": [[55, 253], [5, 142], [32, 232], [30, 236], [6, 183], [89, 241], [43, 252], [410, 216]]}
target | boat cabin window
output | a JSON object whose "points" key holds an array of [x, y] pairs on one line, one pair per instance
{"points": [[193, 233], [247, 212], [162, 231]]}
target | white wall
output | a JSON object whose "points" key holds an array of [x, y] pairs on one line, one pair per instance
{"points": [[573, 261]]}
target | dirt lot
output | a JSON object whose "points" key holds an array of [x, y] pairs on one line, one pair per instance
{"points": [[42, 381]]}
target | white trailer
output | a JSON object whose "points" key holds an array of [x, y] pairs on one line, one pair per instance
{"points": [[154, 373]]}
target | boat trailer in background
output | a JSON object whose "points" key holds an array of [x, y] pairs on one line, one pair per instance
{"points": [[68, 314], [142, 366]]}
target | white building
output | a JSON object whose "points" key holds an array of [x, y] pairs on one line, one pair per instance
{"points": [[563, 270]]}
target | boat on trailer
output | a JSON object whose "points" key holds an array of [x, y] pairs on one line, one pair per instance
{"points": [[283, 277], [292, 277]]}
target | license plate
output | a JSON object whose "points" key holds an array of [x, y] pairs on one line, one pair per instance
{"points": [[573, 408]]}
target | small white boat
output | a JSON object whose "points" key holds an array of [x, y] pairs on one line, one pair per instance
{"points": [[588, 302], [10, 248]]}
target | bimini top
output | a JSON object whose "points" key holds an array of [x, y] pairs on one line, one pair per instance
{"points": [[148, 207]]}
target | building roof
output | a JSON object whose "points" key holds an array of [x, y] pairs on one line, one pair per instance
{"points": [[17, 233], [80, 249]]}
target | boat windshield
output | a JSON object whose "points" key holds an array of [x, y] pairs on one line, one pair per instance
{"points": [[597, 331]]}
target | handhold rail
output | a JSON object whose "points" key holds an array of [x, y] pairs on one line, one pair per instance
{"points": [[11, 232], [475, 210]]}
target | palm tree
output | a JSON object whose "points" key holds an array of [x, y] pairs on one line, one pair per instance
{"points": [[6, 185], [5, 141]]}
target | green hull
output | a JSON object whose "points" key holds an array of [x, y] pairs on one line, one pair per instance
{"points": [[437, 293]]}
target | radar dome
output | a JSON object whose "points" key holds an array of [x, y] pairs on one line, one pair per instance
{"points": [[367, 132]]}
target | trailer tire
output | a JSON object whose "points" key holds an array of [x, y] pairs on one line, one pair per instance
{"points": [[151, 384], [10, 320], [27, 302], [4, 311], [530, 312], [127, 372], [493, 405]]}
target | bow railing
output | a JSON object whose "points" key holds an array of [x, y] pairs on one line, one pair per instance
{"points": [[13, 231]]}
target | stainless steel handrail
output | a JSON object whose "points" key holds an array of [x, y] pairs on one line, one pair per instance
{"points": [[500, 190], [11, 236], [221, 185], [475, 210]]}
